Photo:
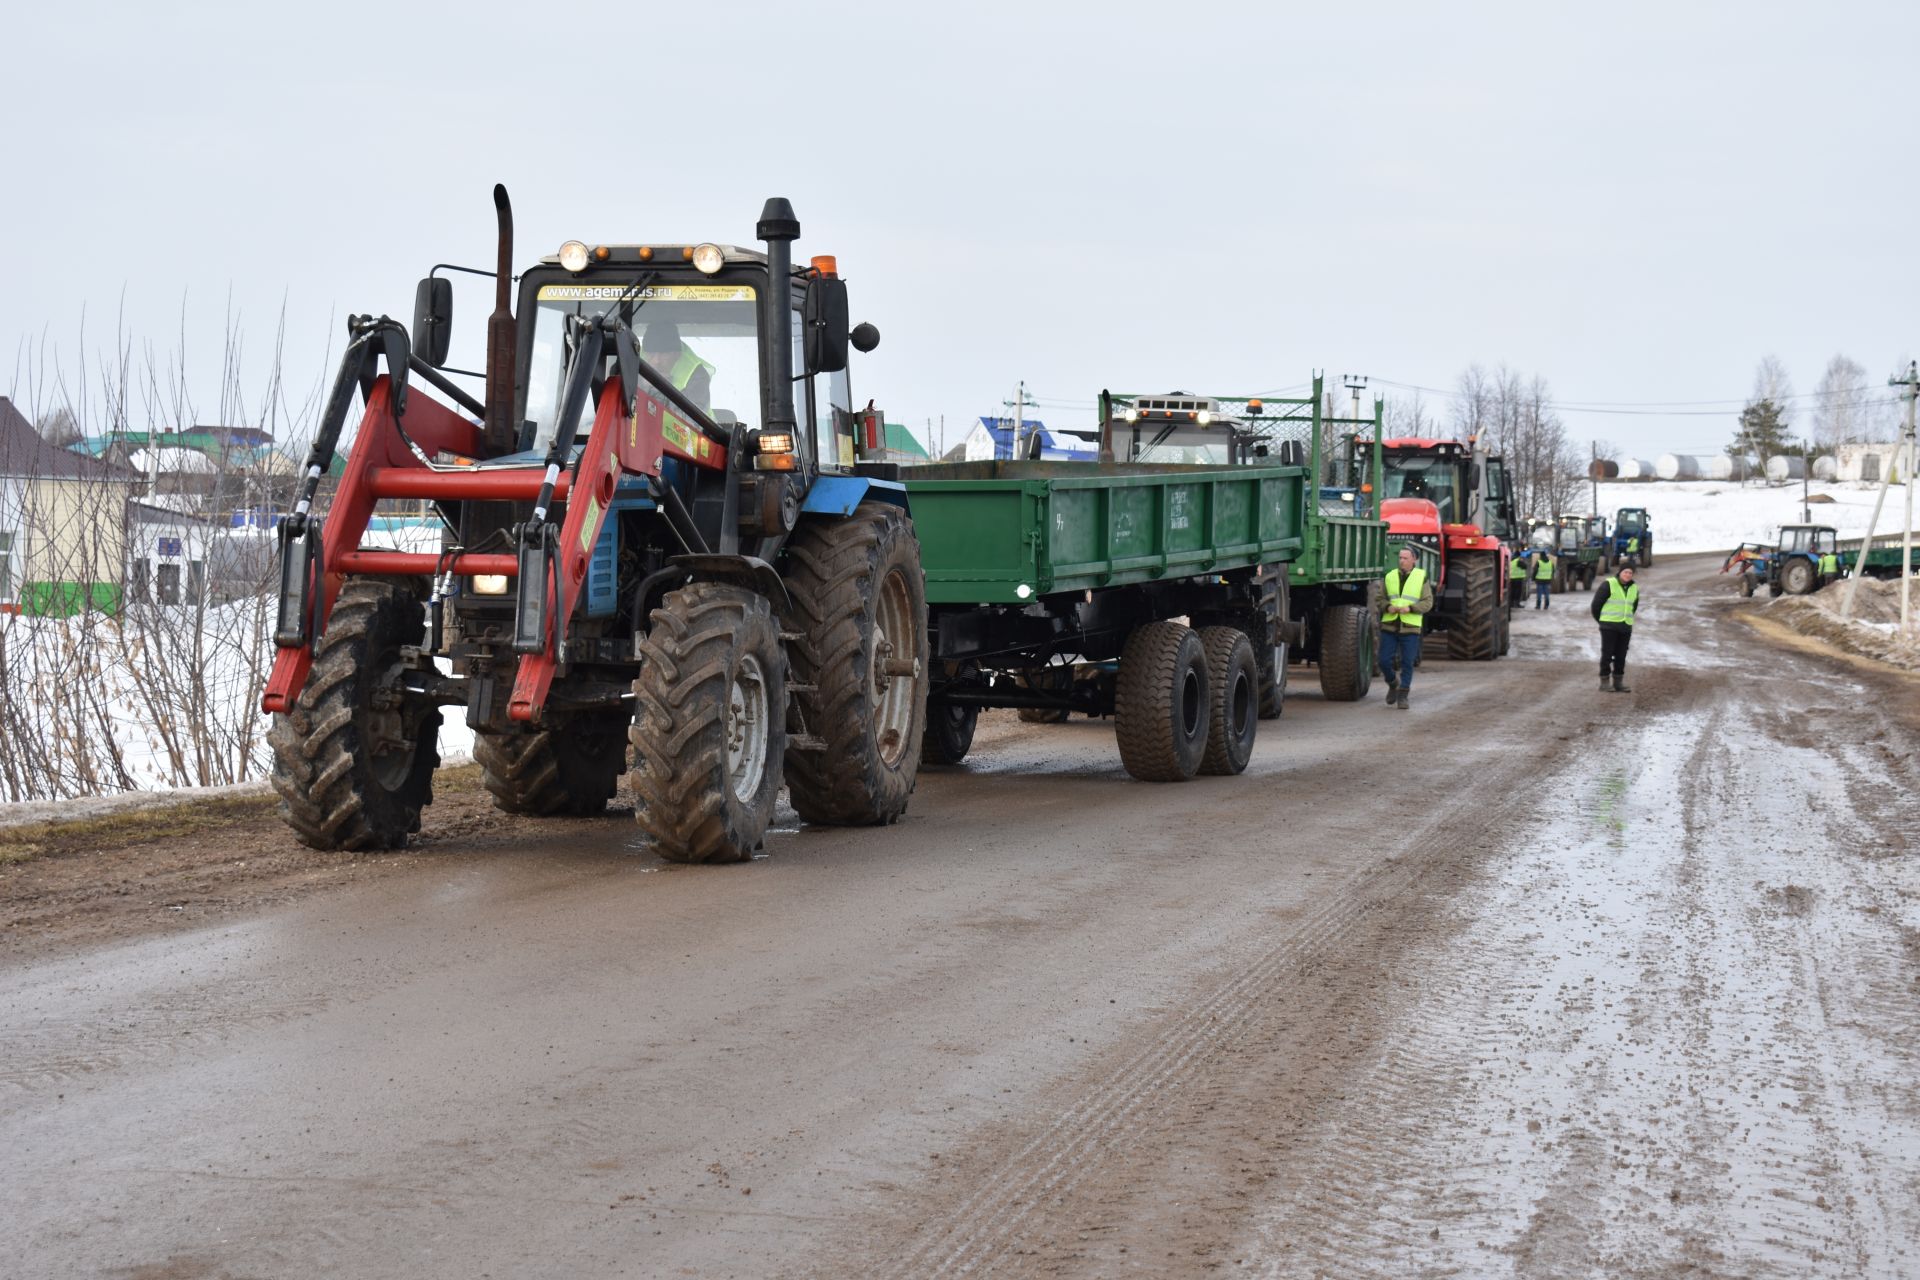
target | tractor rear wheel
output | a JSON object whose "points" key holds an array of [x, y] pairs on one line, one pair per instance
{"points": [[569, 770], [1161, 703], [1233, 689], [1346, 652], [709, 728], [353, 761], [859, 665], [1797, 577], [1474, 635], [949, 733]]}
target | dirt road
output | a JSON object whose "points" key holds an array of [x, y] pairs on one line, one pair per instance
{"points": [[1530, 980]]}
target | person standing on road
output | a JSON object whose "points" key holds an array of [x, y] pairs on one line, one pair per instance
{"points": [[1408, 596], [1542, 580], [1614, 605], [1517, 582]]}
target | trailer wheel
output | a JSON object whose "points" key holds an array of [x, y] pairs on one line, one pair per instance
{"points": [[1473, 636], [1233, 688], [570, 770], [709, 728], [1346, 652], [1161, 704], [1797, 578], [949, 733], [860, 664], [352, 762], [1270, 652]]}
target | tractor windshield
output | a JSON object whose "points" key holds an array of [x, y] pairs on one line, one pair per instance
{"points": [[1631, 522], [1194, 446], [703, 337], [1422, 476]]}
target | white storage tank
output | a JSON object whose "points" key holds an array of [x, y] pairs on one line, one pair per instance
{"points": [[1782, 468], [1825, 468], [1714, 466], [1677, 466], [1635, 469]]}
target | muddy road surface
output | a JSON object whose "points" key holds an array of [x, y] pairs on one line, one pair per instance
{"points": [[1528, 980]]}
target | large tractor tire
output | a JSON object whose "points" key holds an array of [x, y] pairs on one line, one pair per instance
{"points": [[1346, 652], [1798, 577], [1161, 703], [1271, 657], [569, 770], [1475, 635], [1233, 691], [352, 764], [1505, 613], [859, 665], [949, 734], [709, 727]]}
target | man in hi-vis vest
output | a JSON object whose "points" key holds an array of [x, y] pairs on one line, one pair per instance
{"points": [[1406, 598], [660, 346], [1614, 605]]}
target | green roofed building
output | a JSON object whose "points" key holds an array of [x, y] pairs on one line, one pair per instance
{"points": [[903, 447]]}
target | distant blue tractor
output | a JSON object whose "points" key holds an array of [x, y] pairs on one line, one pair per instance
{"points": [[1632, 537]]}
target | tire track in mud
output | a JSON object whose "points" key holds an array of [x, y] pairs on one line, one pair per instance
{"points": [[1688, 1105], [1023, 1195]]}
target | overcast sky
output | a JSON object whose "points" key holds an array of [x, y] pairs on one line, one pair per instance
{"points": [[1634, 201]]}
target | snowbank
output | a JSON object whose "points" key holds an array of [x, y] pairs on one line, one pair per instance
{"points": [[1871, 632], [1707, 515]]}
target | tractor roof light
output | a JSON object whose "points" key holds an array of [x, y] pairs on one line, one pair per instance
{"points": [[1205, 417], [1131, 415], [708, 258], [573, 256]]}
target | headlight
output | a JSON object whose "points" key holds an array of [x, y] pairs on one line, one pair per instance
{"points": [[708, 259], [1132, 414], [490, 584], [1205, 417], [573, 256]]}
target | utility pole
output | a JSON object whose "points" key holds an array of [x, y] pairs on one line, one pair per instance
{"points": [[1019, 412], [1806, 470], [1593, 474], [1912, 381]]}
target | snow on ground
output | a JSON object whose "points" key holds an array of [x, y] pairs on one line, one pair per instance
{"points": [[1718, 515]]}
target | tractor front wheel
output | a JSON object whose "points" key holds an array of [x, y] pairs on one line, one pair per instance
{"points": [[859, 665], [709, 730], [353, 761], [1475, 636], [1798, 578], [571, 769]]}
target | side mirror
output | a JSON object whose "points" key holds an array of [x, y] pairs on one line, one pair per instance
{"points": [[433, 319], [825, 316], [864, 338], [1473, 475]]}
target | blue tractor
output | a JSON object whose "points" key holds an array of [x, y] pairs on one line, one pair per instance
{"points": [[1632, 541]]}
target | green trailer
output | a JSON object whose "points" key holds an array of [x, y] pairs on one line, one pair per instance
{"points": [[1325, 592], [1156, 591]]}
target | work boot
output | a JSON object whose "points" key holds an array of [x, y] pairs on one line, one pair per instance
{"points": [[1393, 694], [1606, 685], [1619, 686], [1403, 700]]}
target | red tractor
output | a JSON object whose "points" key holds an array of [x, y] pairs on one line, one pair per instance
{"points": [[1450, 500]]}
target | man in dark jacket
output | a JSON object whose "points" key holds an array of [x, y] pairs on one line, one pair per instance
{"points": [[1614, 606]]}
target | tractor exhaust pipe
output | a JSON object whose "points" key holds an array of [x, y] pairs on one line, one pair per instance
{"points": [[779, 228], [501, 432]]}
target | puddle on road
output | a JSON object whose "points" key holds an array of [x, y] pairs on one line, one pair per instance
{"points": [[1676, 1037]]}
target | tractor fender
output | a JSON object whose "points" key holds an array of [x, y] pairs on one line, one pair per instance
{"points": [[839, 495], [750, 572]]}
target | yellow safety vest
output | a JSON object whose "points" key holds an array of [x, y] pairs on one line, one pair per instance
{"points": [[1543, 569], [1633, 545], [685, 367], [1517, 570], [1401, 598], [1829, 564], [1620, 602]]}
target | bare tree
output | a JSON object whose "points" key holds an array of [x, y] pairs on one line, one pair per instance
{"points": [[1771, 381], [1409, 416], [1840, 414]]}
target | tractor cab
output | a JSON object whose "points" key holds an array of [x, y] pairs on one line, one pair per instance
{"points": [[1809, 539], [1465, 486], [1178, 428]]}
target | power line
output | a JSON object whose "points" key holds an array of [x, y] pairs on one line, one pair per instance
{"points": [[1645, 408]]}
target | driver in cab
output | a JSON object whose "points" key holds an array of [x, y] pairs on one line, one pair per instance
{"points": [[660, 346]]}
